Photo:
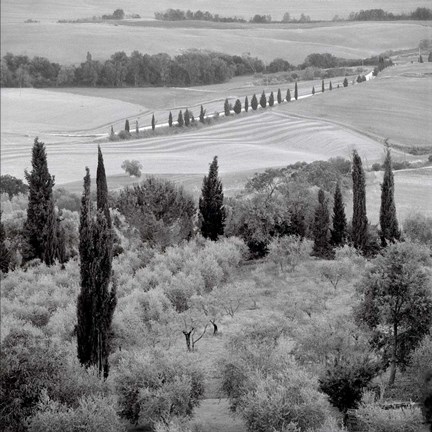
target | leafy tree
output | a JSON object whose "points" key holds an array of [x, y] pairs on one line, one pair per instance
{"points": [[38, 227], [263, 100], [227, 108], [254, 102], [359, 220], [345, 82], [396, 303], [279, 96], [288, 95], [388, 220], [322, 247], [271, 99], [246, 104], [339, 231], [126, 128], [202, 115], [170, 119], [180, 121], [12, 186], [211, 206], [313, 90], [187, 118], [96, 301], [4, 251], [237, 106], [322, 86], [153, 123], [118, 14], [133, 167], [330, 86]]}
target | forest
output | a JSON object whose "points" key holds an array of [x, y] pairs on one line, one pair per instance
{"points": [[126, 307]]}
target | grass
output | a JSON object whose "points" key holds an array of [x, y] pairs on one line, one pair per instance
{"points": [[394, 106], [73, 41]]}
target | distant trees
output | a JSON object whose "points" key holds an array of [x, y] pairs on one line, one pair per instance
{"points": [[118, 14], [180, 15], [396, 303], [263, 100], [321, 229], [212, 211], [153, 123], [420, 58], [339, 231], [279, 96], [133, 167], [295, 91], [127, 128], [359, 233], [180, 121], [136, 127], [40, 227], [202, 114], [330, 86], [170, 119], [254, 102], [322, 86], [288, 96], [227, 108], [345, 82], [97, 299], [388, 220], [313, 90], [271, 99], [187, 118], [246, 104], [420, 13], [237, 107]]}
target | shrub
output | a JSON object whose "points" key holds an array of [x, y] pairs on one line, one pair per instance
{"points": [[124, 134], [133, 168], [418, 228], [376, 166], [289, 251], [373, 418]]}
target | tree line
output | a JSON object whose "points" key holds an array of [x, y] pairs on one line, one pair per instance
{"points": [[421, 14], [193, 67]]}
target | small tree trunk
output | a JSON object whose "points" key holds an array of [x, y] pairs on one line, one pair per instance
{"points": [[188, 339], [393, 360]]}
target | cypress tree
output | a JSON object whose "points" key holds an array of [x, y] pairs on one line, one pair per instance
{"points": [[279, 96], [212, 212], [359, 219], [345, 82], [180, 121], [388, 220], [430, 57], [112, 134], [127, 125], [227, 108], [420, 59], [271, 99], [263, 100], [339, 231], [153, 123], [237, 106], [313, 90], [330, 86], [170, 119], [96, 301], [186, 118], [202, 115], [322, 86], [136, 127], [36, 228], [254, 102], [246, 104], [322, 247], [50, 235], [295, 91], [4, 251], [60, 242], [288, 95]]}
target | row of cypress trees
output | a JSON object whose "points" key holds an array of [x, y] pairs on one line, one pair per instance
{"points": [[326, 238]]}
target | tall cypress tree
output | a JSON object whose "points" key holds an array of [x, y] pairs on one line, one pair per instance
{"points": [[295, 91], [322, 86], [97, 299], [263, 100], [50, 235], [136, 127], [271, 99], [339, 231], [227, 108], [153, 123], [330, 86], [321, 231], [202, 115], [246, 104], [40, 199], [279, 96], [388, 220], [313, 90], [170, 119], [186, 118], [211, 207], [237, 107], [180, 121], [254, 102], [288, 95], [127, 129], [359, 220]]}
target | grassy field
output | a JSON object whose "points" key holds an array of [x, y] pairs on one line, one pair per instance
{"points": [[397, 105], [355, 40], [317, 9]]}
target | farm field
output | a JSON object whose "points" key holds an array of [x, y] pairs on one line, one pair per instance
{"points": [[396, 105], [73, 41]]}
